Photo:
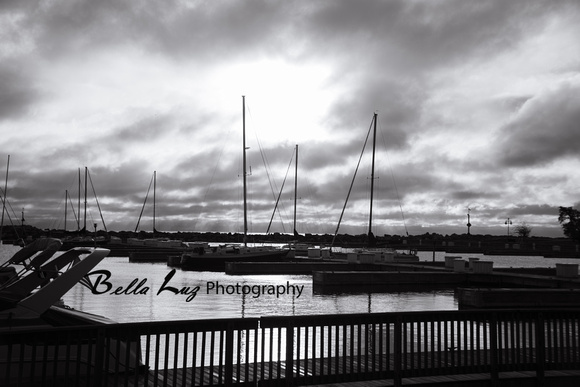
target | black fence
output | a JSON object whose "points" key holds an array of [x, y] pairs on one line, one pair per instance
{"points": [[294, 350]]}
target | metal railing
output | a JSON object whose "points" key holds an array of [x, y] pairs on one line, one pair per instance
{"points": [[294, 350]]}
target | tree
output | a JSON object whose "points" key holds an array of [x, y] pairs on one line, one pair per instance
{"points": [[570, 220], [523, 230]]}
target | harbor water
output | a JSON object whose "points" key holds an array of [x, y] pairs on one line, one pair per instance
{"points": [[130, 292]]}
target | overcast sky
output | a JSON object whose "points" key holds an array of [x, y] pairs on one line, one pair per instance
{"points": [[478, 107]]}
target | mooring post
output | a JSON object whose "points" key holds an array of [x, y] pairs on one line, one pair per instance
{"points": [[433, 250]]}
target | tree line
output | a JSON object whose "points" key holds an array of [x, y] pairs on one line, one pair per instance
{"points": [[569, 218]]}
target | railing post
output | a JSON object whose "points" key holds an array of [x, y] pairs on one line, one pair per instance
{"points": [[229, 355], [540, 349], [289, 372], [99, 356], [494, 339], [398, 325]]}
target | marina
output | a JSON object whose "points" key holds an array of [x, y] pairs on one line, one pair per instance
{"points": [[290, 194], [152, 306], [212, 328]]}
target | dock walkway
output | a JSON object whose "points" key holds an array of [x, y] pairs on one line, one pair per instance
{"points": [[298, 350], [272, 374], [569, 378]]}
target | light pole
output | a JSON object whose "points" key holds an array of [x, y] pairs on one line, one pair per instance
{"points": [[508, 222], [468, 221]]}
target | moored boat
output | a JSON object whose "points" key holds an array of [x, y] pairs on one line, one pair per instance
{"points": [[203, 257], [31, 300], [377, 255], [372, 253], [214, 259]]}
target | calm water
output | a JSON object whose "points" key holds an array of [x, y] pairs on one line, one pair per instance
{"points": [[222, 296]]}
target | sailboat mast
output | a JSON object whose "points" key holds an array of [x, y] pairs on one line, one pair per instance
{"points": [[79, 204], [85, 216], [295, 188], [373, 174], [65, 207], [244, 167], [154, 189], [5, 197]]}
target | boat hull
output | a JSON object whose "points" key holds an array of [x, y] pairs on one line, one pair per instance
{"points": [[217, 262]]}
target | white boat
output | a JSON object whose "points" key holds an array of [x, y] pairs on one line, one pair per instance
{"points": [[298, 249], [377, 255], [31, 299], [204, 258], [36, 290], [19, 286]]}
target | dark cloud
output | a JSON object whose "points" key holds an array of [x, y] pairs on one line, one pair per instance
{"points": [[415, 35], [466, 195], [146, 130], [17, 95], [393, 46], [175, 28], [397, 105], [544, 130], [401, 34], [535, 209], [395, 58]]}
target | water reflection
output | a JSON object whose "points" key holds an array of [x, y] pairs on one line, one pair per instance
{"points": [[155, 305], [208, 304]]}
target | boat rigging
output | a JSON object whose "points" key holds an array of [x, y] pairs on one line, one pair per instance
{"points": [[374, 120]]}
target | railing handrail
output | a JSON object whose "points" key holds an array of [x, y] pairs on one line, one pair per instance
{"points": [[455, 341], [208, 325]]}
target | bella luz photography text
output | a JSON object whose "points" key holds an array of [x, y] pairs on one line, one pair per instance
{"points": [[99, 282]]}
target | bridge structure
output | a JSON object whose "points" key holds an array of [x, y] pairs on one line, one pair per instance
{"points": [[496, 347]]}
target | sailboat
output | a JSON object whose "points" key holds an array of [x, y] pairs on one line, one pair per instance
{"points": [[296, 249], [203, 257], [84, 239], [372, 253]]}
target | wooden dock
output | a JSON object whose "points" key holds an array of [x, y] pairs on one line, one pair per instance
{"points": [[567, 378], [273, 374]]}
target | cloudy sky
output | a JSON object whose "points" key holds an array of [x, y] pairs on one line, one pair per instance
{"points": [[478, 107]]}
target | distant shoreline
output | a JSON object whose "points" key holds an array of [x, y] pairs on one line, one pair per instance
{"points": [[452, 244]]}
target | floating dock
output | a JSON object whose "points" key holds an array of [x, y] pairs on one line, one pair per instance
{"points": [[456, 273], [517, 298], [422, 280], [153, 256], [355, 281], [252, 268]]}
